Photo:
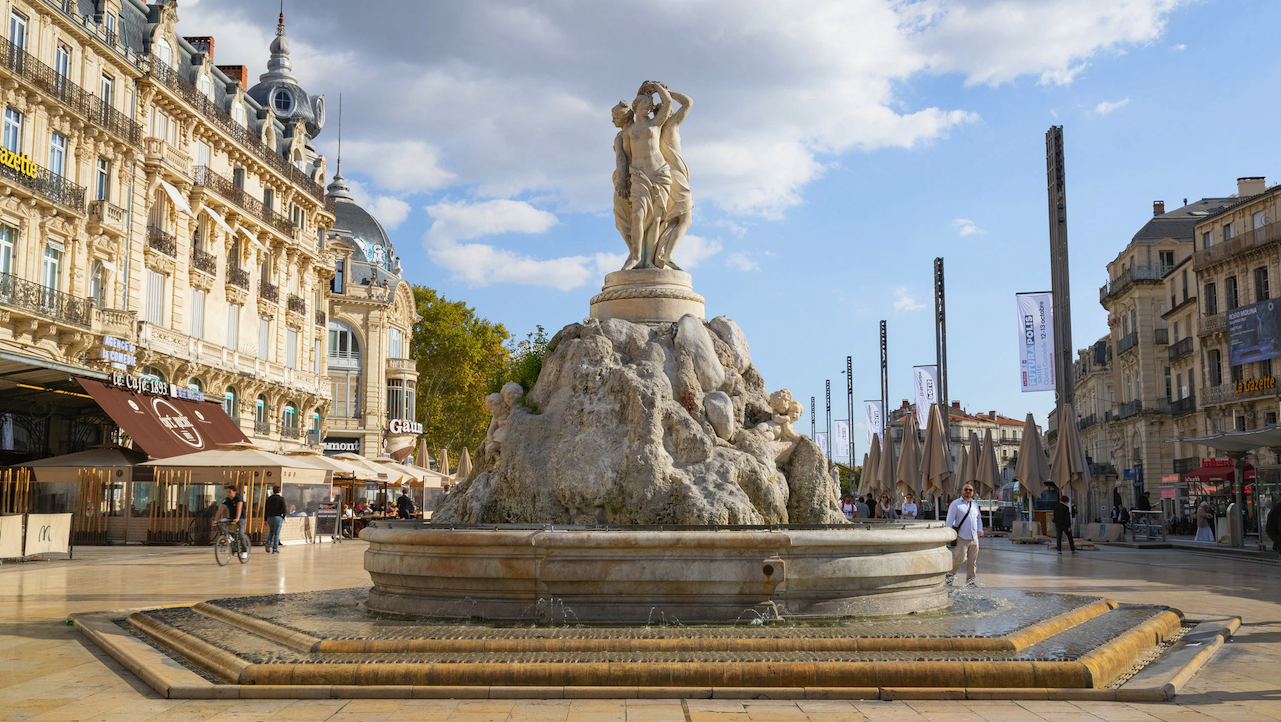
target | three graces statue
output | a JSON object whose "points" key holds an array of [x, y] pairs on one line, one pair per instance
{"points": [[652, 202]]}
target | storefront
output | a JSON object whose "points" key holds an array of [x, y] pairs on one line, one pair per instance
{"points": [[1214, 483]]}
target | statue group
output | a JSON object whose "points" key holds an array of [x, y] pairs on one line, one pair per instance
{"points": [[652, 201]]}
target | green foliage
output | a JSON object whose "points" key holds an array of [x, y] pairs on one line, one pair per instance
{"points": [[849, 479], [524, 363], [458, 355]]}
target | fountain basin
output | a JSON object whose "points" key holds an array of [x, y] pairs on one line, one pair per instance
{"points": [[645, 574]]}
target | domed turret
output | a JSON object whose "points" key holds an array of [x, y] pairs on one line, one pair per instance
{"points": [[278, 89], [358, 228]]}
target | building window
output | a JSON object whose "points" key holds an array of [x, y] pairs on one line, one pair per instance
{"points": [[233, 326], [231, 403], [1227, 232], [1207, 239], [102, 180], [156, 283], [164, 52], [1265, 369], [1211, 300], [194, 384], [51, 270], [197, 313], [264, 337], [57, 153], [291, 348], [1213, 361], [205, 86], [290, 416], [18, 30], [1259, 220], [315, 357], [238, 178], [268, 198], [315, 422], [343, 344], [109, 22], [1230, 290], [283, 101], [1270, 418], [13, 130], [394, 344], [1167, 260], [1238, 374], [1185, 285], [1169, 387], [1261, 284], [1175, 332], [336, 283], [260, 410], [238, 114], [153, 373], [62, 60], [1240, 423], [395, 399], [7, 236], [345, 386], [97, 283], [202, 153]]}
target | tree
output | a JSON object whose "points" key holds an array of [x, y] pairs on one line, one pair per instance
{"points": [[458, 355]]}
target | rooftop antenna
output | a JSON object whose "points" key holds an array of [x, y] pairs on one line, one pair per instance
{"points": [[339, 126], [282, 12]]}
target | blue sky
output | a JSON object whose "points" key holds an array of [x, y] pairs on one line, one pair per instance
{"points": [[834, 150]]}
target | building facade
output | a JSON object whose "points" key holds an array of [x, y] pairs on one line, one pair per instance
{"points": [[1007, 432]]}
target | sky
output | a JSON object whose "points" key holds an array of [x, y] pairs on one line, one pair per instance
{"points": [[835, 149]]}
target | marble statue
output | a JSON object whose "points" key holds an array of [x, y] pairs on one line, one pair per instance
{"points": [[652, 201]]}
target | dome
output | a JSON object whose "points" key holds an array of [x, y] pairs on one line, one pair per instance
{"points": [[358, 227], [278, 90]]}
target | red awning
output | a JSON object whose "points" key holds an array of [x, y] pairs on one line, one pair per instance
{"points": [[165, 427], [1217, 474]]}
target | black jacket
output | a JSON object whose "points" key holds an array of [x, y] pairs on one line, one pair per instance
{"points": [[1062, 516], [275, 506]]}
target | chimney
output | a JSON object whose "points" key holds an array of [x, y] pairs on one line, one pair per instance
{"points": [[956, 405], [1250, 186], [203, 44], [991, 415], [237, 73], [1158, 207]]}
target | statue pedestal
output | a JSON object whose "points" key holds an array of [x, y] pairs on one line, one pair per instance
{"points": [[647, 295]]}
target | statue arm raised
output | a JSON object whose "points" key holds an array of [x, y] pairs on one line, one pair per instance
{"points": [[664, 109], [686, 103]]}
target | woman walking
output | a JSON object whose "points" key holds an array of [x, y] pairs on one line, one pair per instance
{"points": [[1203, 530]]}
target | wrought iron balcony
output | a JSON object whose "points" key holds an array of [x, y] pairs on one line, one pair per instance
{"points": [[1102, 470], [262, 427], [1127, 342], [1161, 336], [1086, 422], [1183, 407], [163, 241], [221, 185], [1131, 276], [43, 301], [167, 76], [1129, 408], [1181, 349], [41, 181], [238, 277], [320, 318], [205, 262], [296, 304], [290, 432], [1210, 325], [69, 95], [1250, 240], [269, 292]]}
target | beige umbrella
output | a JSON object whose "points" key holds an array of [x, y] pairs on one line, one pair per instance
{"points": [[444, 461], [1070, 471], [976, 459], [989, 473], [1031, 467], [342, 469], [885, 474], [867, 483], [464, 465], [936, 459], [380, 472], [908, 476], [962, 470]]}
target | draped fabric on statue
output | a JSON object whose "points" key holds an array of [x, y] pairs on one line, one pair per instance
{"points": [[867, 484], [936, 458], [908, 476], [1032, 468]]}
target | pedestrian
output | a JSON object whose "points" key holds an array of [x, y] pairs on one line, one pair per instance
{"points": [[909, 507], [234, 507], [275, 513], [1123, 516], [884, 509], [1144, 503], [1273, 527], [864, 509], [964, 518], [404, 505], [1063, 523], [848, 508], [1203, 515]]}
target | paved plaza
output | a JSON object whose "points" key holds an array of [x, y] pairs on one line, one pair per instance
{"points": [[48, 672]]}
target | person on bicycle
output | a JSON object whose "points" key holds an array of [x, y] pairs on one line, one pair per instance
{"points": [[234, 507]]}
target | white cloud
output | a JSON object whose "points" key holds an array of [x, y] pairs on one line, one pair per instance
{"points": [[1105, 107], [389, 210], [460, 221], [967, 227], [410, 165], [695, 249], [905, 302], [480, 264], [740, 261], [1178, 48]]}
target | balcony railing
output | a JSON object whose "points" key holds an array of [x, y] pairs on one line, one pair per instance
{"points": [[1130, 276], [1129, 408], [225, 188], [1210, 325], [1127, 342], [206, 262], [1226, 393], [269, 292], [1248, 241], [68, 94], [44, 301], [262, 427], [1181, 349], [1086, 422], [163, 241], [107, 214], [170, 78], [41, 181], [1183, 407], [296, 304], [320, 318], [238, 277], [1102, 470], [290, 432], [1161, 336], [402, 365], [162, 152]]}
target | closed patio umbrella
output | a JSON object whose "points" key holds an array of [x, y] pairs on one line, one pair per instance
{"points": [[972, 469], [1031, 467], [989, 474], [885, 475], [962, 470], [908, 474], [464, 465], [936, 459], [1070, 472], [867, 483]]}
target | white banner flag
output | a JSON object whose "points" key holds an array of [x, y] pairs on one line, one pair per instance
{"points": [[821, 439], [926, 380], [841, 439], [875, 420], [1036, 341]]}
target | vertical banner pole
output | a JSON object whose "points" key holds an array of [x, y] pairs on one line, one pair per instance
{"points": [[849, 397], [940, 356], [813, 420], [829, 422], [885, 391]]}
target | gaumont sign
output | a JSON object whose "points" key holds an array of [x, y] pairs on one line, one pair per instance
{"points": [[404, 426]]}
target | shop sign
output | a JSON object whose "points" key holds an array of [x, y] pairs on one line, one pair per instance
{"points": [[1264, 384], [119, 352], [404, 426], [1216, 462], [1130, 474], [20, 163], [155, 387], [1168, 493], [338, 445]]}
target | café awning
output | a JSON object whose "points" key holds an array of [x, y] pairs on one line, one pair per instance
{"points": [[1238, 441], [165, 427], [1217, 474]]}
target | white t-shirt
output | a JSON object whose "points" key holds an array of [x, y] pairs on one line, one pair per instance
{"points": [[848, 509], [909, 510]]}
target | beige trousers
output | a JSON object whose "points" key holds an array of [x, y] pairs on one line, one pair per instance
{"points": [[966, 552]]}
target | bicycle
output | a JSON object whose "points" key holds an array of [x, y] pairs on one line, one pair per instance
{"points": [[228, 544]]}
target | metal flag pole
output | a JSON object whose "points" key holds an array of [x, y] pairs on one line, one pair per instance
{"points": [[885, 383], [940, 357], [813, 420], [1056, 192], [829, 422], [849, 397]]}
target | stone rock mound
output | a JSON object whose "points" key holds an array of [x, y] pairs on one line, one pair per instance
{"points": [[646, 424]]}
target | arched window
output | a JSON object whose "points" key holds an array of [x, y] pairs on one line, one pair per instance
{"points": [[231, 403], [261, 423], [315, 421], [343, 343], [164, 52], [344, 370], [153, 373], [196, 385], [290, 416]]}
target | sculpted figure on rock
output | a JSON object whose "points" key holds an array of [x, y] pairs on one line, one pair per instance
{"points": [[652, 200]]}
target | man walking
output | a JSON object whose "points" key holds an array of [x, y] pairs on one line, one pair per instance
{"points": [[404, 505], [1063, 523], [964, 518], [275, 512]]}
